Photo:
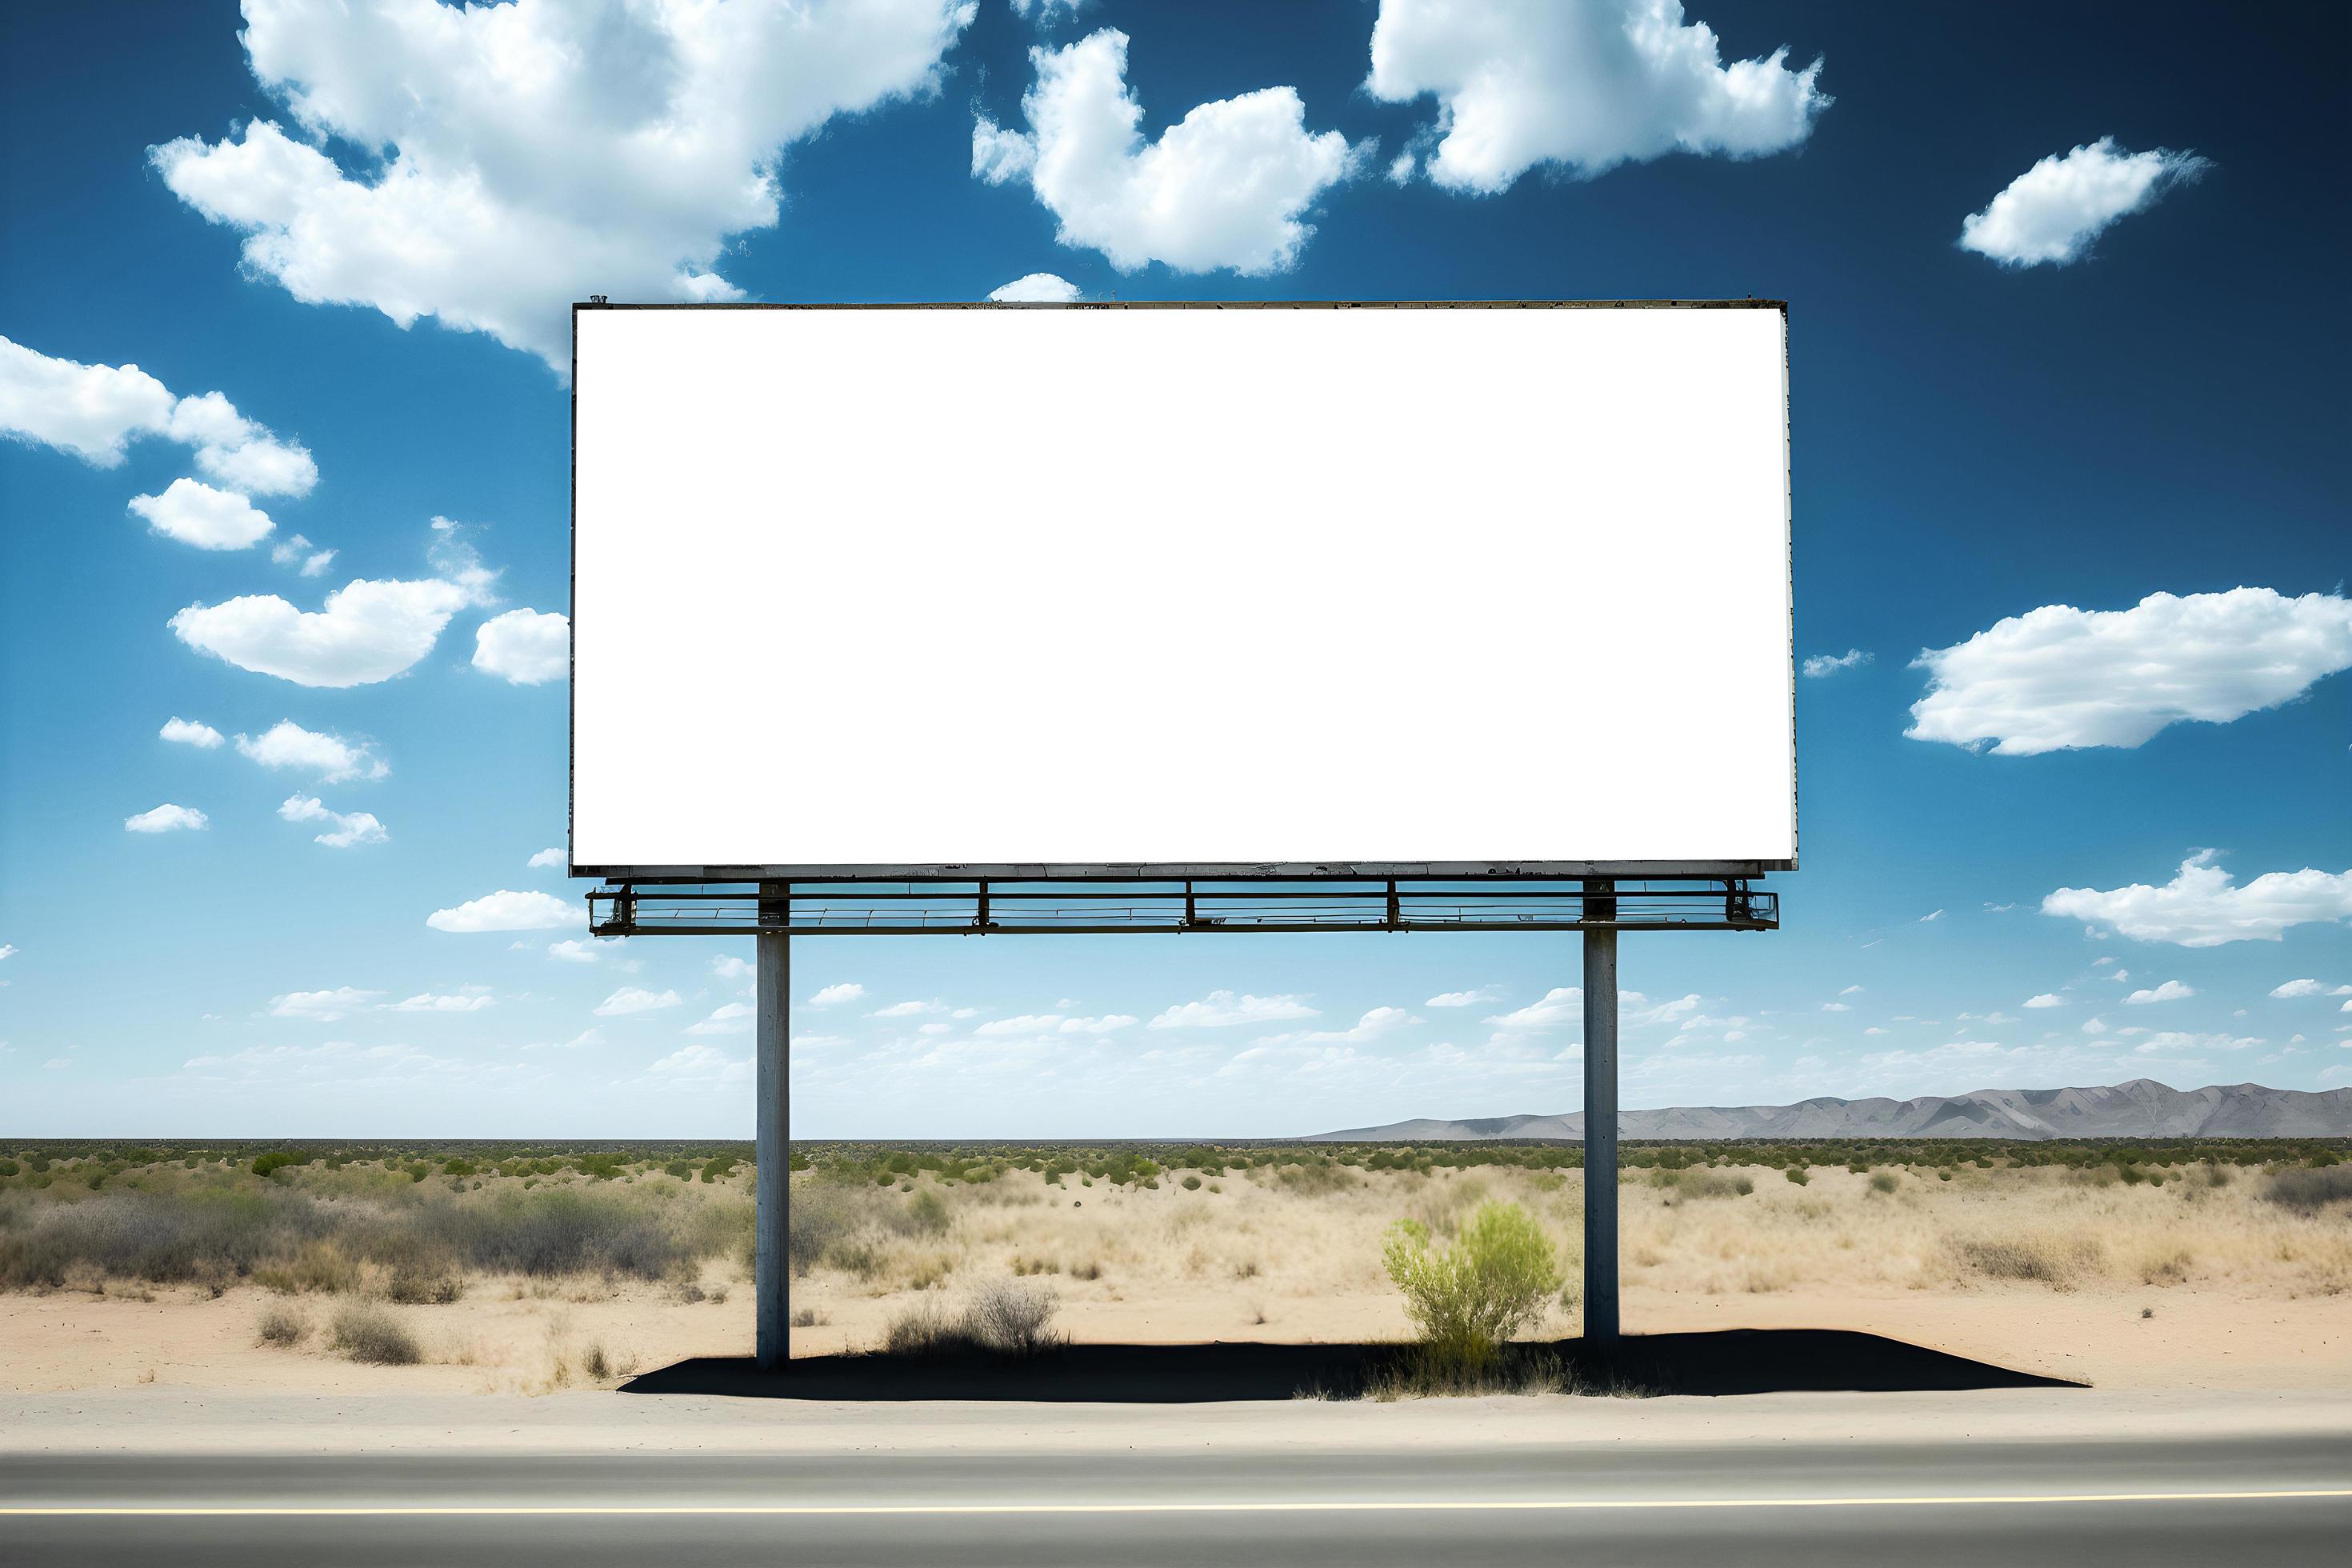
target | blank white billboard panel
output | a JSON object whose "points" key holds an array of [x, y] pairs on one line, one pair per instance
{"points": [[883, 589]]}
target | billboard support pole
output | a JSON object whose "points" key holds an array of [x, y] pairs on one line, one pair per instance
{"points": [[773, 1174], [1601, 1116]]}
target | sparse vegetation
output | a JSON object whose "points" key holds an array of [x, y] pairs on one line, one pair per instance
{"points": [[1003, 1317], [367, 1332], [2309, 1191], [282, 1325]]}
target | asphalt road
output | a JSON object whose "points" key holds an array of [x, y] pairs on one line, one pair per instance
{"points": [[1916, 1505]]}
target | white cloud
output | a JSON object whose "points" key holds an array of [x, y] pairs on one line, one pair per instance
{"points": [[701, 1064], [287, 744], [2045, 1000], [511, 159], [2059, 676], [545, 859], [366, 632], [1052, 1023], [524, 647], [195, 513], [2310, 988], [1560, 1005], [2095, 1027], [1226, 186], [1836, 1007], [1220, 1008], [322, 1007], [631, 999], [1850, 991], [832, 995], [509, 911], [1820, 664], [433, 1002], [1035, 288], [2202, 907], [2170, 990], [733, 1018], [584, 949], [190, 732], [905, 1010], [2055, 209], [1373, 1024], [1463, 998], [2175, 1040], [1581, 85], [7, 950], [166, 818], [95, 411], [1931, 915], [727, 966], [356, 827], [299, 552]]}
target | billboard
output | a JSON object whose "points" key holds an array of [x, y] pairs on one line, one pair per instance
{"points": [[1171, 590]]}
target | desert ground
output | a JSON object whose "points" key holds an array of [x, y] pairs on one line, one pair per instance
{"points": [[367, 1276]]}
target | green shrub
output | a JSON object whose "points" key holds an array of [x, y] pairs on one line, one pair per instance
{"points": [[1471, 1297], [1798, 1174], [1885, 1181], [928, 1213], [278, 1161], [1192, 1183]]}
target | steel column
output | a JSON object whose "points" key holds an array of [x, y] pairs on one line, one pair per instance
{"points": [[1600, 1119], [773, 1270]]}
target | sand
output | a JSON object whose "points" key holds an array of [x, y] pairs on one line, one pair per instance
{"points": [[2183, 1287]]}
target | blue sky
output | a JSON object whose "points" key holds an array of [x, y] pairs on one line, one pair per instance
{"points": [[2128, 384]]}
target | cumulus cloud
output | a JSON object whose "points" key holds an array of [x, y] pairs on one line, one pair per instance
{"points": [[2046, 999], [2055, 210], [96, 411], [322, 1007], [524, 647], [511, 159], [190, 732], [2059, 676], [2170, 990], [584, 949], [1035, 288], [831, 995], [1582, 86], [728, 966], [287, 744], [441, 1001], [733, 1018], [1820, 664], [357, 828], [546, 859], [1056, 1024], [2203, 907], [1220, 1008], [195, 513], [365, 632], [1462, 998], [1560, 1005], [167, 818], [1226, 186], [507, 910], [298, 553], [2310, 988], [631, 999]]}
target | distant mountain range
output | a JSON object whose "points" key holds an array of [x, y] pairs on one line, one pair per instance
{"points": [[2140, 1109]]}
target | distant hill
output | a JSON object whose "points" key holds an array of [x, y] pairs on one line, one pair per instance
{"points": [[2140, 1109]]}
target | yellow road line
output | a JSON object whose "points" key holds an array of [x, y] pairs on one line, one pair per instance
{"points": [[865, 1510]]}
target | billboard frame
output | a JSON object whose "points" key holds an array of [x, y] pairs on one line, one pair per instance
{"points": [[1162, 871]]}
